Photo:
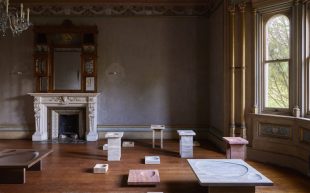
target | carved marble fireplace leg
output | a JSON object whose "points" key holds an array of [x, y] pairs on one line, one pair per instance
{"points": [[39, 134], [92, 111]]}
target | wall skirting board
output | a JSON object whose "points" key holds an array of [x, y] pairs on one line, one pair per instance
{"points": [[279, 159], [131, 132], [215, 137], [144, 132], [16, 132]]}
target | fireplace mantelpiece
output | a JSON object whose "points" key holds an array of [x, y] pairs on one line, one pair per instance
{"points": [[43, 101]]}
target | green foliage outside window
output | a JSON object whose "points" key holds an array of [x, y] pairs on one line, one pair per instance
{"points": [[277, 72]]}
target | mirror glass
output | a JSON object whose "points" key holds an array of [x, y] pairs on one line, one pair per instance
{"points": [[67, 69]]}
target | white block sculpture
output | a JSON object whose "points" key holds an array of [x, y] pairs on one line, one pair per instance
{"points": [[128, 144], [101, 168], [105, 147], [114, 145], [186, 143], [152, 160]]}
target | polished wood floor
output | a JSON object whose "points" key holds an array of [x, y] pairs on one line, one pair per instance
{"points": [[69, 170]]}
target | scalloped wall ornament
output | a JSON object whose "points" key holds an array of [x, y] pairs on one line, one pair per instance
{"points": [[127, 9]]}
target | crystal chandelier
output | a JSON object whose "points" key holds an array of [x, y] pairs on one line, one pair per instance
{"points": [[13, 19]]}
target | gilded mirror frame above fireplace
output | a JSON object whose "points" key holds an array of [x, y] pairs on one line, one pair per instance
{"points": [[66, 38]]}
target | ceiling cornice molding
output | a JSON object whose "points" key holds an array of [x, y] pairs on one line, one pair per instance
{"points": [[117, 8], [168, 2], [267, 3]]}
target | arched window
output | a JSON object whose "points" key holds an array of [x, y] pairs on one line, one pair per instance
{"points": [[276, 62]]}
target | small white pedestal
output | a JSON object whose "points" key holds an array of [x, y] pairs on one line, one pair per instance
{"points": [[160, 128], [186, 143], [114, 145], [128, 144], [152, 160], [105, 147], [101, 168]]}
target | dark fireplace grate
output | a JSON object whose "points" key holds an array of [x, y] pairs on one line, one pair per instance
{"points": [[69, 126]]}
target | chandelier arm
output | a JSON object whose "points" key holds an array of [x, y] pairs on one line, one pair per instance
{"points": [[11, 20]]}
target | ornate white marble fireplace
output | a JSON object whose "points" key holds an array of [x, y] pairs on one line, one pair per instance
{"points": [[44, 101]]}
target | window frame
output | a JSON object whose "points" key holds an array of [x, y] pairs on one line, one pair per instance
{"points": [[306, 73], [265, 19]]}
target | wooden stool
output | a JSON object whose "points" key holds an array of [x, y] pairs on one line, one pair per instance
{"points": [[160, 128], [236, 147]]}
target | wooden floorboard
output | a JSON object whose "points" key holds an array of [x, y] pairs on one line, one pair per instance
{"points": [[69, 170]]}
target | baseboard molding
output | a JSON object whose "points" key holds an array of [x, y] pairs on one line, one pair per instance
{"points": [[216, 138], [144, 132], [16, 134], [279, 160], [130, 132]]}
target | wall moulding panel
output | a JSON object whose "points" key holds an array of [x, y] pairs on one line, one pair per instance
{"points": [[305, 135], [274, 130], [285, 138]]}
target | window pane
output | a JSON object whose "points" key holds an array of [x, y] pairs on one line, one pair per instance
{"points": [[277, 38], [277, 85]]}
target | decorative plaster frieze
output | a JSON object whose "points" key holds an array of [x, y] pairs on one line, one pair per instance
{"points": [[124, 9], [119, 10], [64, 99]]}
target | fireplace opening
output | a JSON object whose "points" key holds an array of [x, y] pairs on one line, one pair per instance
{"points": [[69, 126]]}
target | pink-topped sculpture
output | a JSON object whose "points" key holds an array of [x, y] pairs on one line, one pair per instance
{"points": [[236, 147]]}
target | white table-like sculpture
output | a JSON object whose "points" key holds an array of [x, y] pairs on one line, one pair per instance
{"points": [[186, 143], [160, 128], [114, 145], [227, 175]]}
